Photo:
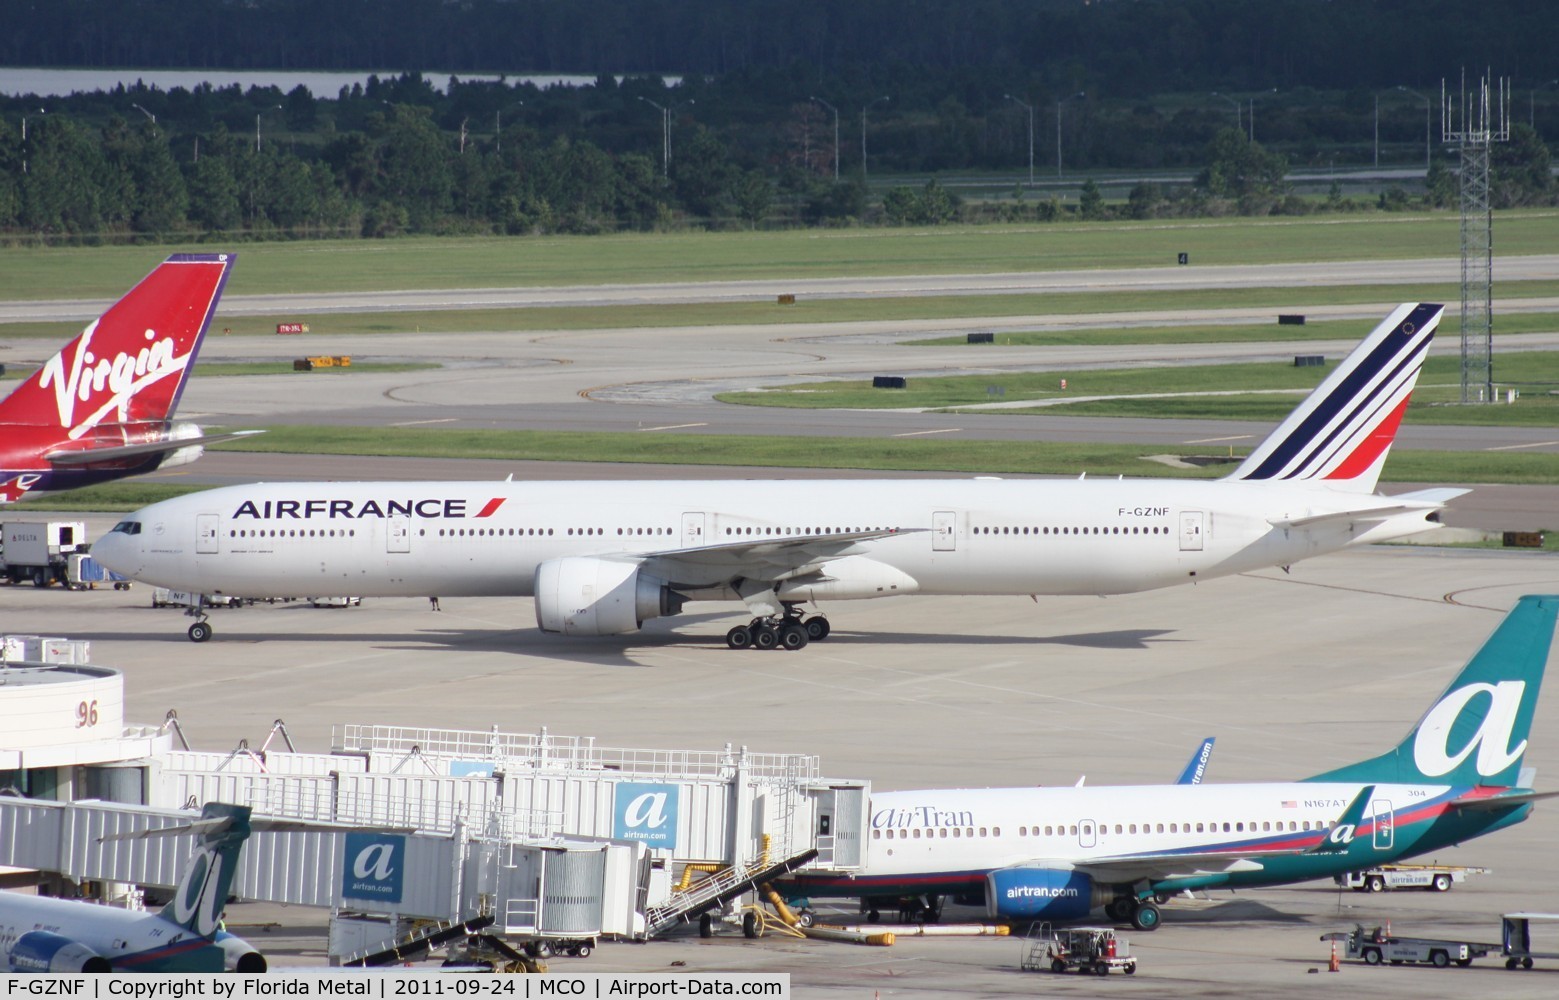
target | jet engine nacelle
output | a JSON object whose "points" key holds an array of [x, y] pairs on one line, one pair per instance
{"points": [[1041, 894], [182, 456], [45, 951], [239, 955], [582, 595]]}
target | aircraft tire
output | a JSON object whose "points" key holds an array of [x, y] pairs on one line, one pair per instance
{"points": [[793, 637], [1146, 917], [817, 628], [764, 637], [199, 632], [739, 637]]}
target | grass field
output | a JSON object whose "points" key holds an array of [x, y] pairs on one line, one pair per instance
{"points": [[1535, 374], [931, 308], [44, 272], [1338, 329]]}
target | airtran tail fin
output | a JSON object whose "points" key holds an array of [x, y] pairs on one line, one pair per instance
{"points": [[1343, 430], [128, 366], [1476, 732], [202, 891]]}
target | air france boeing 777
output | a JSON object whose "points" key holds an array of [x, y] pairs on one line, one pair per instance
{"points": [[1059, 853], [600, 560]]}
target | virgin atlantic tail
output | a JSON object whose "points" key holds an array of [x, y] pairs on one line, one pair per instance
{"points": [[102, 408]]}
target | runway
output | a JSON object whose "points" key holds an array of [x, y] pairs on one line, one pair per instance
{"points": [[1165, 278]]}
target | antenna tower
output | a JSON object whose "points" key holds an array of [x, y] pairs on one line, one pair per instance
{"points": [[1474, 120]]}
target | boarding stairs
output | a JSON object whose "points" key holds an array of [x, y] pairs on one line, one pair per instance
{"points": [[726, 884]]}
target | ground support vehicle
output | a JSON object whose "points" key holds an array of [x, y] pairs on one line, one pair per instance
{"points": [[1516, 938], [1081, 949], [1376, 945], [40, 550], [82, 572], [1438, 878]]}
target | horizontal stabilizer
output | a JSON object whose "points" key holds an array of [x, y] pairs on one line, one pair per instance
{"points": [[1379, 513], [89, 455], [1501, 800]]}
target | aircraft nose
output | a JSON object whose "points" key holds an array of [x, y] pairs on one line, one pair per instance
{"points": [[119, 550]]}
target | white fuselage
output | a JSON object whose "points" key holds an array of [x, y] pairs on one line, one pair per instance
{"points": [[972, 537], [970, 830]]}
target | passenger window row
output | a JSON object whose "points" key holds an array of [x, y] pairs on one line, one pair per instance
{"points": [[1064, 830]]}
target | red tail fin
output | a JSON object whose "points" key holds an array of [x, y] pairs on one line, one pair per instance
{"points": [[129, 365]]}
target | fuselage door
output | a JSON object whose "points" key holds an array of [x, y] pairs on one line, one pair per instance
{"points": [[693, 529], [1192, 523], [1087, 833], [207, 542], [944, 531], [398, 533], [1385, 824]]}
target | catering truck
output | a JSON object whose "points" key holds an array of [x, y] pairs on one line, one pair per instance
{"points": [[40, 551]]}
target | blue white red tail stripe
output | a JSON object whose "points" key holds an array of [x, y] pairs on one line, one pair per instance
{"points": [[1343, 430]]}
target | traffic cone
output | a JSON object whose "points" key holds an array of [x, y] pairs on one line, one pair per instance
{"points": [[1388, 927], [1334, 965]]}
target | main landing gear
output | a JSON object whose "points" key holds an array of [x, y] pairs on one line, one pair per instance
{"points": [[787, 632], [1143, 914]]}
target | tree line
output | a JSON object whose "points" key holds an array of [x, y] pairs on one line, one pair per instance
{"points": [[399, 156]]}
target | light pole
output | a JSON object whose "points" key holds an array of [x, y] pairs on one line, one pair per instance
{"points": [[1532, 103], [1059, 104], [498, 127], [1252, 117], [144, 112], [1421, 97], [863, 134], [1030, 109], [257, 125], [1237, 109], [665, 133], [40, 111], [836, 133]]}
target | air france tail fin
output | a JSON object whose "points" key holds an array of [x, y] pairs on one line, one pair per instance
{"points": [[1476, 731], [129, 365], [1343, 430]]}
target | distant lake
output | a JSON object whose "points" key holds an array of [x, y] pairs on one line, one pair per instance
{"points": [[16, 82]]}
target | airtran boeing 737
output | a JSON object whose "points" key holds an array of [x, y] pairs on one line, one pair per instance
{"points": [[102, 407], [1059, 853], [39, 934], [601, 559]]}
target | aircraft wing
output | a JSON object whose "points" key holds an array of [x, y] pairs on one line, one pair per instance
{"points": [[1407, 503], [87, 454], [767, 559], [1158, 867]]}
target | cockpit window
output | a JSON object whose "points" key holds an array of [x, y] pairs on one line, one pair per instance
{"points": [[128, 527]]}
